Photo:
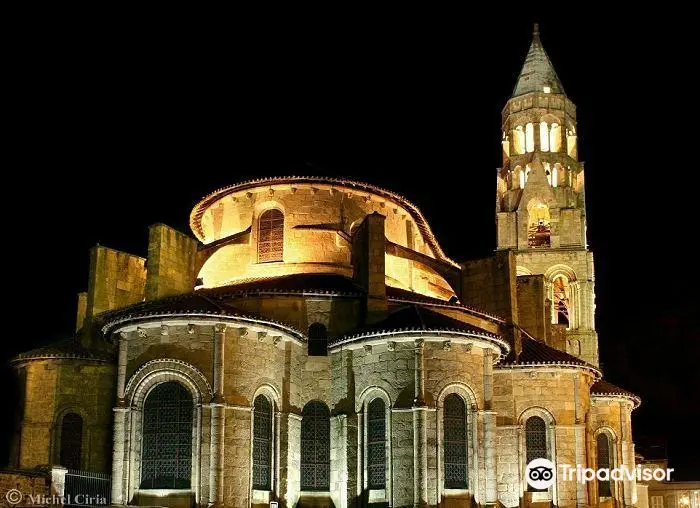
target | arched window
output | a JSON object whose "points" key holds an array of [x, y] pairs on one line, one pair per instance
{"points": [[376, 444], [270, 236], [315, 447], [530, 137], [71, 441], [544, 136], [560, 300], [519, 140], [535, 440], [548, 172], [262, 443], [604, 462], [318, 340], [571, 148], [166, 461], [455, 442], [518, 178], [539, 225], [555, 138]]}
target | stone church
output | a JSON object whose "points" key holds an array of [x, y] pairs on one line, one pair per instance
{"points": [[310, 343]]}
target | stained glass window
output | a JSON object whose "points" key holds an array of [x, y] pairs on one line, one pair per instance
{"points": [[166, 461], [603, 443], [270, 236], [315, 447], [262, 443], [455, 445], [376, 444], [318, 340], [535, 441], [71, 441]]}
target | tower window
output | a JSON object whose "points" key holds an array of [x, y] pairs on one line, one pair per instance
{"points": [[560, 300], [270, 236], [519, 140], [71, 441], [555, 137], [544, 136], [539, 226], [166, 461], [547, 89], [530, 138]]}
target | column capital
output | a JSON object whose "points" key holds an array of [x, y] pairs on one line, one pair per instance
{"points": [[220, 328]]}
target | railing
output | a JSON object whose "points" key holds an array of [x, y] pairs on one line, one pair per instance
{"points": [[87, 488]]}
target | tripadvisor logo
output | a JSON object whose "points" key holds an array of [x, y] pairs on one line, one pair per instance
{"points": [[540, 474]]}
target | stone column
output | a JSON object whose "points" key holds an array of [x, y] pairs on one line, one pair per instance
{"points": [[420, 444], [489, 421], [629, 485], [121, 369], [218, 420], [579, 440], [120, 443]]}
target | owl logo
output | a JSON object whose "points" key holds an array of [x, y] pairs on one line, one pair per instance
{"points": [[540, 474]]}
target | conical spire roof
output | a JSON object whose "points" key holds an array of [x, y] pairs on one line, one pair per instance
{"points": [[537, 72]]}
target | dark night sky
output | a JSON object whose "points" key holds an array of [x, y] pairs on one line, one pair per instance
{"points": [[129, 123]]}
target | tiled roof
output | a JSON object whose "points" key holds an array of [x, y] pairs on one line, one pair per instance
{"points": [[398, 294], [65, 349], [537, 71], [317, 283], [416, 318], [192, 304], [537, 353], [421, 223], [602, 388]]}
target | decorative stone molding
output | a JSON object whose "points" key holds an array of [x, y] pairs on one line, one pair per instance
{"points": [[220, 327], [367, 348], [242, 332], [162, 370], [447, 346], [191, 329], [419, 343], [261, 336], [142, 332], [391, 345], [164, 329], [276, 340]]}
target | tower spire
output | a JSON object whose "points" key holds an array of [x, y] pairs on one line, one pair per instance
{"points": [[537, 74]]}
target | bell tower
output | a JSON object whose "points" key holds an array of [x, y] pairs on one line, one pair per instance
{"points": [[540, 201]]}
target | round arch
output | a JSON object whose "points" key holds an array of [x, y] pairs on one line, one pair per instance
{"points": [[159, 371]]}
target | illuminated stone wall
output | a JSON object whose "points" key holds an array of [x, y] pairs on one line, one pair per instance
{"points": [[561, 398], [318, 220], [53, 388]]}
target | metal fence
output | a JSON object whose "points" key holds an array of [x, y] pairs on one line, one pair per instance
{"points": [[85, 488]]}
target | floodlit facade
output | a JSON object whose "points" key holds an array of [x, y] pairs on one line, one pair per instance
{"points": [[312, 344]]}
